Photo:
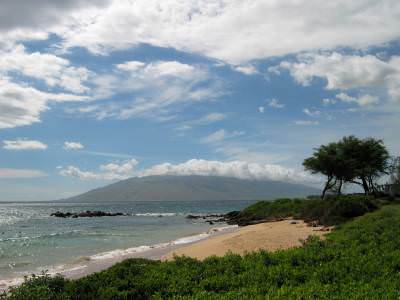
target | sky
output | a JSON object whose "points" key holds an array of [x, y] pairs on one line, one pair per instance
{"points": [[92, 92]]}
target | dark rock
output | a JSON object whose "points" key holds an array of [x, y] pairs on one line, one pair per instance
{"points": [[86, 214], [192, 217]]}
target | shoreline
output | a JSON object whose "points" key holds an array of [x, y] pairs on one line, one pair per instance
{"points": [[270, 236], [86, 265]]}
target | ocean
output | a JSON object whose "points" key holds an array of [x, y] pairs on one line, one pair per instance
{"points": [[32, 241]]}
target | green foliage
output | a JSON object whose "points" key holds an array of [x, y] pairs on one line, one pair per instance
{"points": [[359, 260], [350, 160], [333, 210]]}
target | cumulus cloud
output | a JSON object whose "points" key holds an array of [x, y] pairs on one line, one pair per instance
{"points": [[261, 109], [364, 100], [73, 146], [237, 169], [246, 69], [20, 173], [53, 70], [345, 72], [234, 31], [22, 105], [328, 101], [23, 144], [16, 14], [112, 171], [275, 103]]}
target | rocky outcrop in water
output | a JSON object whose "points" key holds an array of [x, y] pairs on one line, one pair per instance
{"points": [[86, 214]]}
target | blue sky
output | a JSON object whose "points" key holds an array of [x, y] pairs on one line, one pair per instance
{"points": [[96, 91]]}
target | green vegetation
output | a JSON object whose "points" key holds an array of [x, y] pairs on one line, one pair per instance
{"points": [[350, 160], [359, 260], [331, 211]]}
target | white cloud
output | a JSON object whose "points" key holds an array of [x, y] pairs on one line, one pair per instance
{"points": [[22, 144], [158, 69], [161, 89], [130, 66], [345, 72], [220, 135], [204, 120], [306, 122], [328, 101], [234, 31], [246, 69], [73, 146], [22, 14], [364, 100], [20, 173], [275, 103], [311, 113], [237, 169], [112, 171], [53, 70], [22, 105], [261, 109], [216, 136], [211, 118], [125, 168]]}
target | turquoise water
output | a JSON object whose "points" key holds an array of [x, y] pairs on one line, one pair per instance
{"points": [[31, 240]]}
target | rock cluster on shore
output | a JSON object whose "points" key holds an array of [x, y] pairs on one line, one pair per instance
{"points": [[215, 218], [86, 214]]}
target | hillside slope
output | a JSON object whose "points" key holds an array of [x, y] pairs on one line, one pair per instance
{"points": [[180, 188]]}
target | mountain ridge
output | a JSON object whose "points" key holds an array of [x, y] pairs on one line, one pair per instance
{"points": [[192, 188]]}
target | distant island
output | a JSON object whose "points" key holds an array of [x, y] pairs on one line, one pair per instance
{"points": [[193, 188]]}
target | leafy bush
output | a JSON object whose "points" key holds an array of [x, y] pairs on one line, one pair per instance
{"points": [[333, 210]]}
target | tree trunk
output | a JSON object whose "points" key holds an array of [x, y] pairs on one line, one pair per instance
{"points": [[328, 185], [339, 191], [365, 186], [372, 186]]}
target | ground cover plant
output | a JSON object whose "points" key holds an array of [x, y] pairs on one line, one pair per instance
{"points": [[330, 211], [359, 260]]}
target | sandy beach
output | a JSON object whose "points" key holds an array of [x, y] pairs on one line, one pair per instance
{"points": [[269, 236]]}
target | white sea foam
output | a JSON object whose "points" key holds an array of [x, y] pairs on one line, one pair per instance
{"points": [[119, 252], [166, 214], [83, 262]]}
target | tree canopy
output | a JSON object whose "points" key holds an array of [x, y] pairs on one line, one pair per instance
{"points": [[350, 160]]}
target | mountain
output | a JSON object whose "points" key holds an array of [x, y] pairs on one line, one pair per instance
{"points": [[179, 188]]}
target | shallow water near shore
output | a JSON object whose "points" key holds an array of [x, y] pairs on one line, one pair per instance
{"points": [[31, 240]]}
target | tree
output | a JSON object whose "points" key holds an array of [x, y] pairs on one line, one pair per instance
{"points": [[350, 160], [367, 159], [328, 161]]}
